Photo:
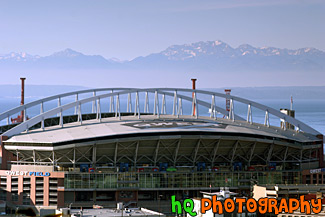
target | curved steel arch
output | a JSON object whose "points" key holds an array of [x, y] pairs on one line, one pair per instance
{"points": [[18, 109], [300, 125], [162, 91], [37, 119]]}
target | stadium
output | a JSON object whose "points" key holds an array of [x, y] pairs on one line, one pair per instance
{"points": [[141, 146]]}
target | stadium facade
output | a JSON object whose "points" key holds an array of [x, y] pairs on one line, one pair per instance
{"points": [[144, 145]]}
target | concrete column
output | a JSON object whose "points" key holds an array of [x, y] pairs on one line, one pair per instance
{"points": [[33, 189], [60, 198], [20, 189], [304, 179], [136, 195], [61, 192], [94, 196], [46, 191], [8, 188], [94, 156]]}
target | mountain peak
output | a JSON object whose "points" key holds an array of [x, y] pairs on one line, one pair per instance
{"points": [[202, 48], [245, 46], [67, 53], [218, 42], [309, 50]]}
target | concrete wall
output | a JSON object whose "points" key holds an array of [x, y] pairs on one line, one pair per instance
{"points": [[34, 168]]}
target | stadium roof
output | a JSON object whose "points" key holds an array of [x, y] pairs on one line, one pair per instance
{"points": [[112, 128]]}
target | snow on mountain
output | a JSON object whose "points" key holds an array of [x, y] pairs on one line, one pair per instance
{"points": [[217, 56], [182, 52], [69, 53], [211, 56], [221, 49], [116, 60], [20, 57]]}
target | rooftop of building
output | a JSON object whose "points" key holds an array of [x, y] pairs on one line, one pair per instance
{"points": [[112, 128]]}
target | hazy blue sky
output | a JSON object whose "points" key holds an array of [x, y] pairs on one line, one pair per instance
{"points": [[129, 28]]}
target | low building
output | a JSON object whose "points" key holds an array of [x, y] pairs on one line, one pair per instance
{"points": [[221, 196], [135, 212], [291, 191]]}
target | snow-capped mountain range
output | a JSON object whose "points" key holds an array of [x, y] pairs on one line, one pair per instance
{"points": [[211, 56], [221, 49], [18, 57]]}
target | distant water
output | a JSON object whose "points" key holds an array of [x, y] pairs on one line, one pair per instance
{"points": [[311, 112]]}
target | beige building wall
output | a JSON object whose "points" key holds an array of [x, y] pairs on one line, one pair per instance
{"points": [[259, 192]]}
